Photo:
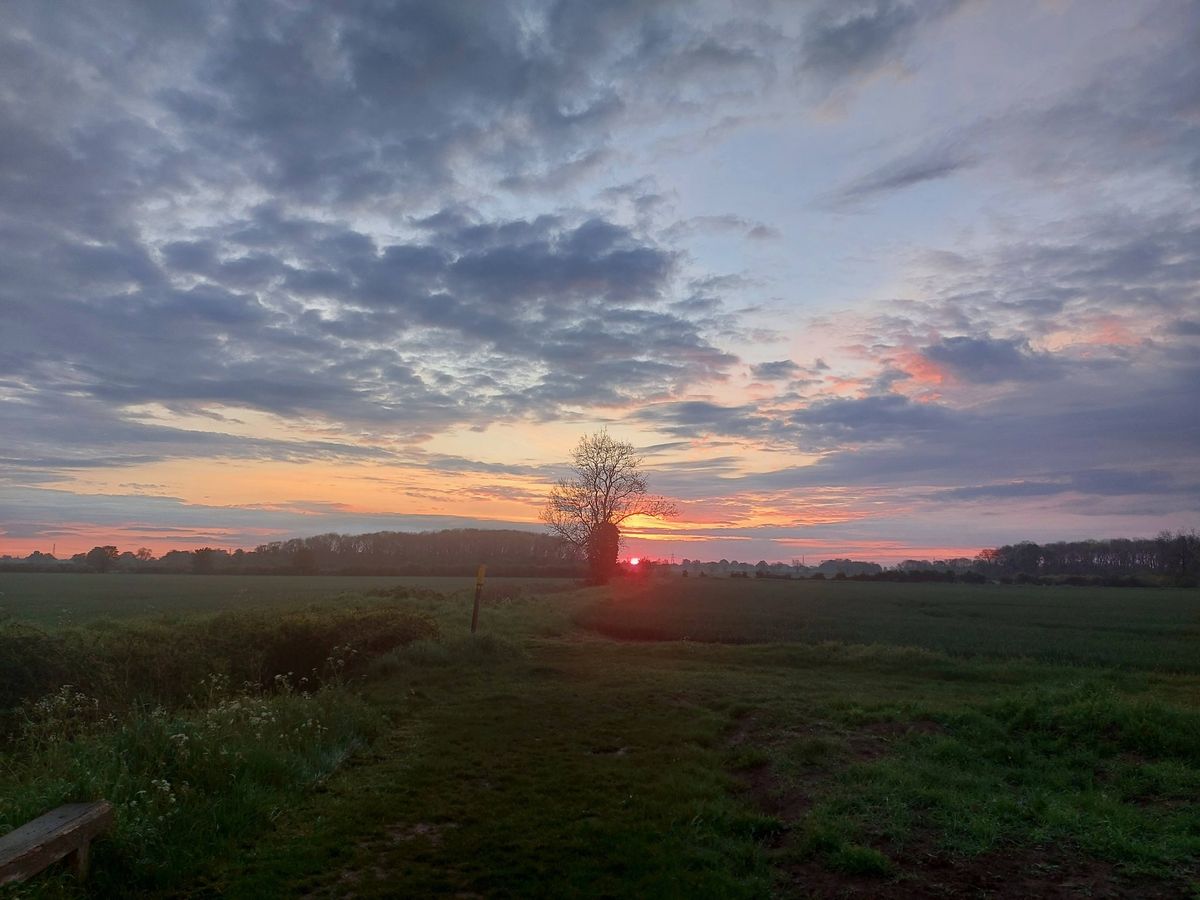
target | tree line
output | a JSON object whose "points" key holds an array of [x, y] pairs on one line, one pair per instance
{"points": [[1172, 557], [1168, 558], [457, 551]]}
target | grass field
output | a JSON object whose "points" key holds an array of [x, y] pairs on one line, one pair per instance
{"points": [[57, 600], [1127, 627], [805, 740]]}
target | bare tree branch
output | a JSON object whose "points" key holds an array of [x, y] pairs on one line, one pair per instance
{"points": [[608, 487]]}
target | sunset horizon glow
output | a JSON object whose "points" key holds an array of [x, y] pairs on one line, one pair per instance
{"points": [[880, 280]]}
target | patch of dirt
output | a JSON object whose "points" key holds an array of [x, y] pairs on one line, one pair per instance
{"points": [[904, 729], [874, 740], [743, 724], [922, 871], [610, 751], [400, 834], [786, 802], [1014, 874]]}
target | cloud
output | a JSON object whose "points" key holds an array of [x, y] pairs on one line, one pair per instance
{"points": [[1103, 482], [718, 224], [868, 420], [1064, 134], [49, 515], [282, 232], [1186, 327], [694, 418], [927, 165], [846, 39], [779, 370], [469, 318], [988, 360]]}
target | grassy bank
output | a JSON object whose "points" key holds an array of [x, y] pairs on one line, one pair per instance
{"points": [[199, 731]]}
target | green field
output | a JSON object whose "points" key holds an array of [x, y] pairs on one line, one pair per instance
{"points": [[1127, 627], [720, 738], [54, 600]]}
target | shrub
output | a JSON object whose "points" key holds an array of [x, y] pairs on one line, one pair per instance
{"points": [[161, 662]]}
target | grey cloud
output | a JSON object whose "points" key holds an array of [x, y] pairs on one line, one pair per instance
{"points": [[762, 232], [1069, 276], [44, 512], [843, 39], [1101, 482], [927, 165], [891, 442], [62, 433], [885, 417], [988, 360], [694, 418], [727, 222], [779, 370], [1136, 113], [554, 310]]}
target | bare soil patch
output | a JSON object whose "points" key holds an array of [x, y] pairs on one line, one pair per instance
{"points": [[922, 871], [1013, 874]]}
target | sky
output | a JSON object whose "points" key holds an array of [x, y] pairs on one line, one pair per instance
{"points": [[865, 278]]}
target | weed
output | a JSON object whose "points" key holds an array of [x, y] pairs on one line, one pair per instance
{"points": [[854, 859]]}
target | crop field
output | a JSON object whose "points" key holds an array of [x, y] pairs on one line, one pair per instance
{"points": [[1127, 627], [56, 600], [660, 738]]}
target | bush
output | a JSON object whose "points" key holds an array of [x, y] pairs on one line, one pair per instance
{"points": [[32, 663], [159, 663]]}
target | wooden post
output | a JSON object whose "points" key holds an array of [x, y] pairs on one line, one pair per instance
{"points": [[478, 593]]}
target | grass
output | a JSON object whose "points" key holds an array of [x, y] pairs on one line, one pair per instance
{"points": [[162, 661], [953, 753], [1126, 627], [187, 785], [63, 600], [198, 730]]}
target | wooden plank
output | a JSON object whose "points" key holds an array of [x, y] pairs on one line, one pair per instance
{"points": [[65, 831]]}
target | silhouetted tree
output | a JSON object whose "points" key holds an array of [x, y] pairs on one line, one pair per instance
{"points": [[101, 558], [602, 552], [607, 488], [203, 560], [305, 560]]}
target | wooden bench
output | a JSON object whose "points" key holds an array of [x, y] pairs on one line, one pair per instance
{"points": [[63, 832]]}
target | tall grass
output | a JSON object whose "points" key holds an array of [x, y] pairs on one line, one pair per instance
{"points": [[161, 661], [199, 732]]}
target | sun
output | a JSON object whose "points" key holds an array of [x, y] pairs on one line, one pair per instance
{"points": [[634, 560]]}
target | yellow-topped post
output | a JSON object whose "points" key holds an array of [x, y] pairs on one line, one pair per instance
{"points": [[478, 594]]}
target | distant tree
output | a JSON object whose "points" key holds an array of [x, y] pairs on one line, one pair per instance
{"points": [[304, 560], [101, 559], [203, 560], [607, 488], [144, 554]]}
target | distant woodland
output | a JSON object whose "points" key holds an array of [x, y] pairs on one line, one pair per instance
{"points": [[455, 551], [1170, 558]]}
